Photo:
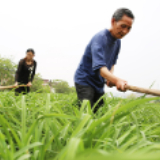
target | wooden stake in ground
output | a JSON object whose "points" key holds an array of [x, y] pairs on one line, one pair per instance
{"points": [[13, 86]]}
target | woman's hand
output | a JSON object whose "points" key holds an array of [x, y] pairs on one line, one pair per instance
{"points": [[16, 84], [29, 84]]}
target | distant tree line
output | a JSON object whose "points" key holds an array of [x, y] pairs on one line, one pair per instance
{"points": [[61, 86]]}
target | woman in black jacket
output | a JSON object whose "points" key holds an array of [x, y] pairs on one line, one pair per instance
{"points": [[25, 72]]}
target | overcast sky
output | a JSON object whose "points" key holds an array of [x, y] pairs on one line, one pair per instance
{"points": [[59, 30]]}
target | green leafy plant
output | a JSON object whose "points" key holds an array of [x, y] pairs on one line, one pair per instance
{"points": [[47, 126]]}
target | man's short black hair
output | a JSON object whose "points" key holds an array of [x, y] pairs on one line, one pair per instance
{"points": [[119, 13], [30, 50]]}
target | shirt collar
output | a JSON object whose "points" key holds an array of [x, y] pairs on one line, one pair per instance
{"points": [[109, 35]]}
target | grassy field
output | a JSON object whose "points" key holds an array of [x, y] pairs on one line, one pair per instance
{"points": [[51, 127]]}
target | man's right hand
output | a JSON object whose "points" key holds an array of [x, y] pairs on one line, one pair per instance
{"points": [[120, 84]]}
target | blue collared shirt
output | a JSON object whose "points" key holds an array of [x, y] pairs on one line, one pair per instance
{"points": [[101, 51]]}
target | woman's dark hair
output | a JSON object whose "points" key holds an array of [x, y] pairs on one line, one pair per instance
{"points": [[30, 50], [119, 13]]}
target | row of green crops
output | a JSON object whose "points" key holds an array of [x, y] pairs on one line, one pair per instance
{"points": [[51, 126]]}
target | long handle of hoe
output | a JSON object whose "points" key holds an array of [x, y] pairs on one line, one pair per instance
{"points": [[143, 90], [13, 86]]}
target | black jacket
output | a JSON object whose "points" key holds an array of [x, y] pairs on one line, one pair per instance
{"points": [[25, 73]]}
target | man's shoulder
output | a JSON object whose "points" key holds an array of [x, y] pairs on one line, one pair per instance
{"points": [[101, 33], [100, 36]]}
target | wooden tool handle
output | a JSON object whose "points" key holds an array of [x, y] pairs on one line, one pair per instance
{"points": [[13, 86], [143, 90]]}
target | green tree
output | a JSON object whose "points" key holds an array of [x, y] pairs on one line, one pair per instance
{"points": [[61, 86], [37, 85], [7, 71], [72, 89]]}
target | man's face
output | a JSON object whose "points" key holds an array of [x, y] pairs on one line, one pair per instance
{"points": [[122, 27]]}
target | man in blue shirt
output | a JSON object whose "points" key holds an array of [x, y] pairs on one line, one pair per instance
{"points": [[100, 56]]}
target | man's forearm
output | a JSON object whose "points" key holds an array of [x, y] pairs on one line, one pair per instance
{"points": [[112, 69], [105, 73]]}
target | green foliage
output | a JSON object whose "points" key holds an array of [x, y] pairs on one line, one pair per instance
{"points": [[131, 96], [37, 85], [7, 71], [42, 126], [61, 86]]}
